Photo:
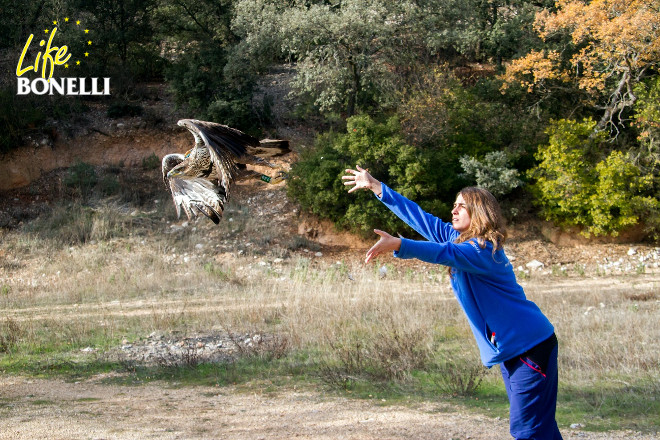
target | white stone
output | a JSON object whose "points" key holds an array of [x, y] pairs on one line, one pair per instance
{"points": [[535, 264]]}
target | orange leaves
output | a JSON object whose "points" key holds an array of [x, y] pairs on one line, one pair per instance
{"points": [[610, 38], [535, 69]]}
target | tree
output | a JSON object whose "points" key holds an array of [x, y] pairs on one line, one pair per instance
{"points": [[601, 47], [481, 30], [25, 16], [350, 54], [121, 25]]}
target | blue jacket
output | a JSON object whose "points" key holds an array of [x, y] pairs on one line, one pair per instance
{"points": [[484, 283]]}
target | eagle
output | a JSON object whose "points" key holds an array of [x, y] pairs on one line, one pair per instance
{"points": [[201, 179]]}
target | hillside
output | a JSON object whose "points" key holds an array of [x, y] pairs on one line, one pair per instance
{"points": [[33, 183]]}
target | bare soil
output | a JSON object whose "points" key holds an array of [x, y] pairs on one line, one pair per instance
{"points": [[52, 409]]}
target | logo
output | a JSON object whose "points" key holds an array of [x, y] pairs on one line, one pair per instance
{"points": [[51, 58]]}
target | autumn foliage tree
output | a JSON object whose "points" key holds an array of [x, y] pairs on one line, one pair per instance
{"points": [[601, 47]]}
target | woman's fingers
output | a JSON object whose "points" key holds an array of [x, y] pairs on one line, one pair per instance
{"points": [[357, 179], [371, 254], [383, 245]]}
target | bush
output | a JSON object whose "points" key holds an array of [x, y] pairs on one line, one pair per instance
{"points": [[81, 177], [458, 377], [579, 184], [378, 146], [493, 173], [386, 354], [646, 120], [151, 162]]}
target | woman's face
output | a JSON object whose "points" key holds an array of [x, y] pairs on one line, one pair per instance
{"points": [[460, 218]]}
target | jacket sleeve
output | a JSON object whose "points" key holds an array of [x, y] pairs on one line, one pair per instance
{"points": [[466, 256], [427, 225]]}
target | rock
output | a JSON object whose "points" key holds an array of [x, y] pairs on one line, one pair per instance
{"points": [[319, 254], [382, 272], [632, 251], [577, 426], [534, 264]]}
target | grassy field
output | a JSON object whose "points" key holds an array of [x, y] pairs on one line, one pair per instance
{"points": [[90, 277]]}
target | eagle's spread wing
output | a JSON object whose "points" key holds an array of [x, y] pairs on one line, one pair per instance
{"points": [[201, 179], [227, 147], [198, 195]]}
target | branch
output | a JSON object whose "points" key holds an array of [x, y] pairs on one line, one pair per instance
{"points": [[192, 15], [616, 102]]}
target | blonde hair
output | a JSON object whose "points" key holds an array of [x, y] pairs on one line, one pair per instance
{"points": [[486, 220]]}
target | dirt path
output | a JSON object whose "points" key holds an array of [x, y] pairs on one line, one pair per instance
{"points": [[52, 409]]}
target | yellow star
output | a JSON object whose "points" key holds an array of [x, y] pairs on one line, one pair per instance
{"points": [[89, 42], [54, 21], [66, 66], [86, 54], [87, 31], [78, 22], [78, 63], [66, 18]]}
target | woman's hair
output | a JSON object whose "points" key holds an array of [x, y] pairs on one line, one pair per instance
{"points": [[487, 223]]}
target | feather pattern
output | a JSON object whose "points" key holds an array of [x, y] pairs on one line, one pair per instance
{"points": [[201, 179]]}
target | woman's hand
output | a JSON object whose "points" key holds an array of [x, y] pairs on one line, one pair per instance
{"points": [[361, 178], [387, 243]]}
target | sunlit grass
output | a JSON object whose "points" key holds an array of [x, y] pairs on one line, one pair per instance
{"points": [[347, 326]]}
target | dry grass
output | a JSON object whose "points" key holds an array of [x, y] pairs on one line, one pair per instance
{"points": [[136, 274]]}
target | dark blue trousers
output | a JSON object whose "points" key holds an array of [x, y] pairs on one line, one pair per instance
{"points": [[532, 397]]}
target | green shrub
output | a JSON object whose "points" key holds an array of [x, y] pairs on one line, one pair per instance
{"points": [[647, 121], [108, 185], [81, 177], [579, 184], [378, 146], [10, 335], [493, 173], [151, 162], [457, 376]]}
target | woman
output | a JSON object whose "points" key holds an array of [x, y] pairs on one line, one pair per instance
{"points": [[509, 329]]}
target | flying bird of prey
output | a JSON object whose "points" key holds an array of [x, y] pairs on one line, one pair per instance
{"points": [[201, 179]]}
